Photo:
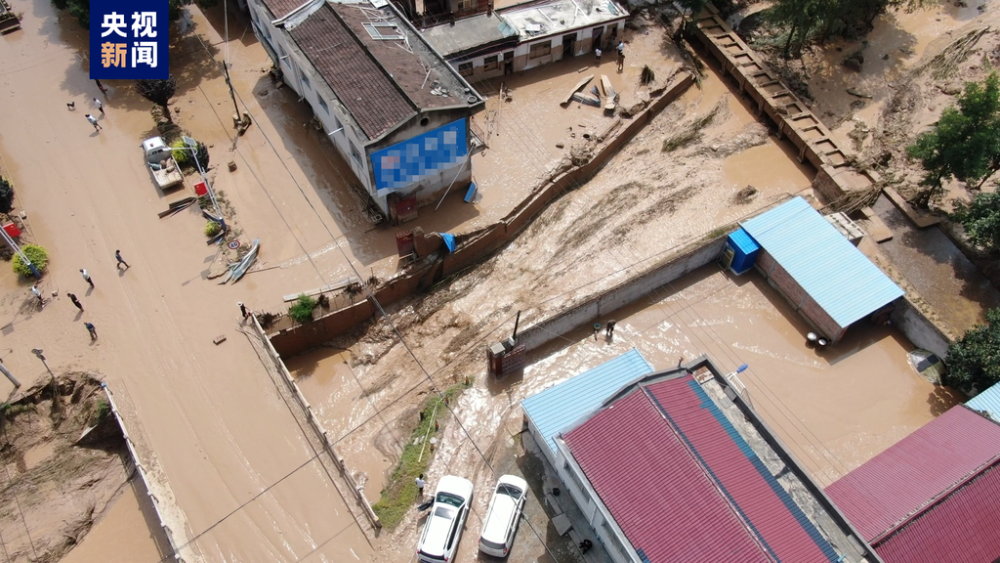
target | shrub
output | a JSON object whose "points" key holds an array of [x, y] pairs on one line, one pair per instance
{"points": [[303, 308], [212, 228], [6, 195], [38, 256], [183, 158]]}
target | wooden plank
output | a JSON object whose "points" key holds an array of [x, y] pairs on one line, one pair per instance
{"points": [[577, 88], [609, 91]]}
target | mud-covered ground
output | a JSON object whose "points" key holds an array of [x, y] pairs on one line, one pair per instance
{"points": [[56, 481], [644, 205]]}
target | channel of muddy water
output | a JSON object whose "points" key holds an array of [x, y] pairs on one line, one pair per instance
{"points": [[643, 204]]}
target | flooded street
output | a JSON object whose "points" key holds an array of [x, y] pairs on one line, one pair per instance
{"points": [[234, 475], [129, 533]]}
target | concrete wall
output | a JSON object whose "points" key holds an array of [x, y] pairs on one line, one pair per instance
{"points": [[773, 98], [797, 297], [584, 45], [627, 292], [918, 328], [476, 246]]}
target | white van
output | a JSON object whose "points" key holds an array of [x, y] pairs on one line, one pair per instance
{"points": [[503, 515]]}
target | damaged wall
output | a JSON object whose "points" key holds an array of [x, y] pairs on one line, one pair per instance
{"points": [[478, 246]]}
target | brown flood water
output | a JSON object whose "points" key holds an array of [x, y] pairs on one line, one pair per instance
{"points": [[128, 533], [834, 409]]}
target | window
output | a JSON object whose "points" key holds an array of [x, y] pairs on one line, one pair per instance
{"points": [[539, 50], [492, 63], [355, 154], [305, 81], [577, 483], [464, 5], [323, 105], [465, 69]]}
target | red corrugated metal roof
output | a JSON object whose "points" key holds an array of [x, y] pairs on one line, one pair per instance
{"points": [[895, 484], [681, 488], [962, 528]]}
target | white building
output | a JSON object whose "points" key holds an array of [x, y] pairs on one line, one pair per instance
{"points": [[393, 107], [528, 35]]}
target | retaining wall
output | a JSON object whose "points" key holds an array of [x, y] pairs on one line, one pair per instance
{"points": [[174, 555], [919, 329], [811, 138], [480, 245], [600, 306], [317, 427]]}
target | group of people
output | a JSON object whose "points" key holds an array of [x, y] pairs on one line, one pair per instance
{"points": [[621, 55], [91, 329]]}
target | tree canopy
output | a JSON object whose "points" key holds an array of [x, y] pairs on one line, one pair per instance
{"points": [[158, 91], [965, 142], [805, 19], [981, 220], [80, 9], [974, 360]]}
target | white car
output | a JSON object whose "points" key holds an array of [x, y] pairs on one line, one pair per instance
{"points": [[502, 516], [443, 529]]}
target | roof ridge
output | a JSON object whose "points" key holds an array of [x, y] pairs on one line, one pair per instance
{"points": [[937, 499], [707, 474], [368, 52]]}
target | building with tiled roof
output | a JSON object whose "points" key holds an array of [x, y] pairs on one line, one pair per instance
{"points": [[675, 467], [392, 106]]}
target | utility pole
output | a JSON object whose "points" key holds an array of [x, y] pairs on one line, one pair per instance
{"points": [[38, 352], [24, 257], [7, 374], [192, 145], [237, 118]]}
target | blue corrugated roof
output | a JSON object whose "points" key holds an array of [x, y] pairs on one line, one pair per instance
{"points": [[741, 240], [555, 408], [841, 279], [988, 401]]}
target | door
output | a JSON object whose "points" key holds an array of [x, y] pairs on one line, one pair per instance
{"points": [[569, 46], [598, 36]]}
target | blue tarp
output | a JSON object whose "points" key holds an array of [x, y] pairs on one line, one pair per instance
{"points": [[449, 241]]}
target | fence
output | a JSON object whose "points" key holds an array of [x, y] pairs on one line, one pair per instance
{"points": [[142, 474], [317, 427], [478, 246]]}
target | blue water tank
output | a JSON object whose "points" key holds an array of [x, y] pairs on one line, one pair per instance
{"points": [[744, 251]]}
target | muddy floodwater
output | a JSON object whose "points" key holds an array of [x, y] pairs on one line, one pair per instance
{"points": [[834, 408], [128, 533]]}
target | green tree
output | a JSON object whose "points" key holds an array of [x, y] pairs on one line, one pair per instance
{"points": [[158, 91], [965, 142], [80, 9], [302, 310], [981, 220], [801, 18], [6, 195], [38, 256], [974, 360]]}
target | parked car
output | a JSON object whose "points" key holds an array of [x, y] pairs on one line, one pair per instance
{"points": [[502, 516], [443, 529]]}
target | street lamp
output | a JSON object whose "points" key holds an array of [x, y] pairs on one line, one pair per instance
{"points": [[38, 352], [192, 145]]}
